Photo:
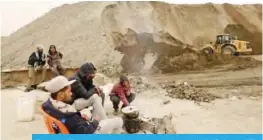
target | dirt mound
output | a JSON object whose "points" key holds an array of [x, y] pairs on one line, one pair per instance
{"points": [[244, 63], [75, 29], [167, 32], [186, 60], [189, 60], [94, 29], [189, 92], [255, 37]]}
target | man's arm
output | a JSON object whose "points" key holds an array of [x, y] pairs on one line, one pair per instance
{"points": [[43, 62], [60, 55], [78, 125], [87, 127], [123, 97], [92, 85], [48, 59]]}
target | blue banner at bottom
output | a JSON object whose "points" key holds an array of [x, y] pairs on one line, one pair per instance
{"points": [[148, 137]]}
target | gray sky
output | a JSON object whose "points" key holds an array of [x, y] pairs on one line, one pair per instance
{"points": [[16, 14]]}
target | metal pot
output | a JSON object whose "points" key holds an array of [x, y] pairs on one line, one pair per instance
{"points": [[132, 125], [130, 112]]}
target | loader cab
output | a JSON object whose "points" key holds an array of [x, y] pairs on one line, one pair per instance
{"points": [[223, 39]]}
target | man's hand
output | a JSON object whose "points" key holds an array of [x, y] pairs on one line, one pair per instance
{"points": [[98, 91], [37, 68], [97, 118], [123, 106], [85, 116]]}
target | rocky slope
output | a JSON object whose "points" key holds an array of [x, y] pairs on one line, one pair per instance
{"points": [[89, 31]]}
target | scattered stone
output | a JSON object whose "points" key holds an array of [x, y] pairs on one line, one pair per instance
{"points": [[240, 98], [253, 98], [141, 84], [181, 90], [189, 92], [110, 69], [233, 98], [159, 125], [166, 102]]}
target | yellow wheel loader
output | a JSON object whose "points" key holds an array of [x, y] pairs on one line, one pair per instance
{"points": [[227, 45]]}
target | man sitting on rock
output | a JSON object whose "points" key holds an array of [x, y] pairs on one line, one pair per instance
{"points": [[36, 62], [77, 123], [85, 94], [121, 92]]}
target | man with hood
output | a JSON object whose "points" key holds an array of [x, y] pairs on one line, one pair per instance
{"points": [[85, 94], [36, 62]]}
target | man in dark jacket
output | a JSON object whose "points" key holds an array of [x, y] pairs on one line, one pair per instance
{"points": [[36, 62], [75, 121], [85, 94]]}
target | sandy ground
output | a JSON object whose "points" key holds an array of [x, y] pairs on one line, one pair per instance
{"points": [[222, 116], [241, 112]]}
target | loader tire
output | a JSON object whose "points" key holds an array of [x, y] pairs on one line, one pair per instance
{"points": [[228, 50]]}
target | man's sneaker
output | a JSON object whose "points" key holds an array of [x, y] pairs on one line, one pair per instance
{"points": [[28, 89], [34, 86]]}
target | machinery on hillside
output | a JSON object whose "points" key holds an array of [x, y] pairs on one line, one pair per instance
{"points": [[227, 45]]}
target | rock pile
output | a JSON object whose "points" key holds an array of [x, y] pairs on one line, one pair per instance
{"points": [[110, 69], [141, 84], [180, 90], [189, 92], [164, 125], [101, 79]]}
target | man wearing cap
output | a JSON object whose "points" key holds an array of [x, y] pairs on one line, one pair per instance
{"points": [[85, 94], [121, 92], [77, 123], [36, 62]]}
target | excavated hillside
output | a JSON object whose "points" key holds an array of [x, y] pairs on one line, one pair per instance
{"points": [[99, 31]]}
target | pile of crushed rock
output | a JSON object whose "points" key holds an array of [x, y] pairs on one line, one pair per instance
{"points": [[110, 69], [181, 90], [141, 84], [189, 92]]}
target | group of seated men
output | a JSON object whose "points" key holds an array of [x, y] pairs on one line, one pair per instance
{"points": [[39, 61], [68, 96]]}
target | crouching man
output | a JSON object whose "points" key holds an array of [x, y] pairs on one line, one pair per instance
{"points": [[121, 92], [57, 106], [85, 94]]}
